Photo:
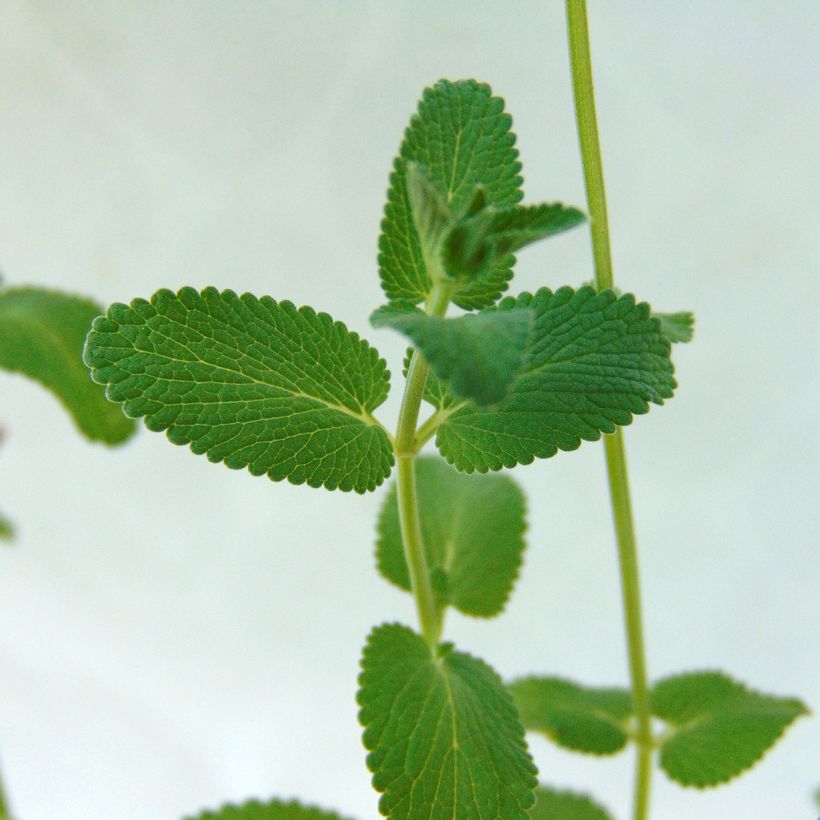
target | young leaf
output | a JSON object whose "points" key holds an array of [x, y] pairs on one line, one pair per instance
{"points": [[561, 805], [719, 728], [584, 719], [462, 137], [6, 529], [252, 382], [479, 242], [477, 354], [274, 810], [442, 732], [677, 327], [473, 532], [41, 336], [432, 216], [592, 361]]}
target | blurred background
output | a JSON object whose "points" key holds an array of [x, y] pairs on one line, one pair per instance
{"points": [[174, 634]]}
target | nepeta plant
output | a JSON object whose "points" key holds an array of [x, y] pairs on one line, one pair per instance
{"points": [[290, 393]]}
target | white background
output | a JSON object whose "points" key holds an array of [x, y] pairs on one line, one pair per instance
{"points": [[174, 634]]}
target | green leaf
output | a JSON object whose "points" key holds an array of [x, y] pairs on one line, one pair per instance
{"points": [[41, 336], [473, 532], [6, 529], [514, 228], [592, 361], [432, 216], [274, 810], [252, 382], [677, 327], [581, 718], [563, 805], [442, 732], [477, 354], [462, 137], [719, 728]]}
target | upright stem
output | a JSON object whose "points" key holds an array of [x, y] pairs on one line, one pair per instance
{"points": [[613, 444], [406, 448]]}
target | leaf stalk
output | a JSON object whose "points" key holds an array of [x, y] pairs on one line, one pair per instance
{"points": [[587, 122]]}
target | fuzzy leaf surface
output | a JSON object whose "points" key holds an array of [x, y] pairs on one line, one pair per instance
{"points": [[720, 728], [272, 810], [581, 718], [432, 216], [443, 735], [41, 336], [592, 361], [477, 354], [551, 804], [249, 382], [677, 327], [473, 532], [462, 138]]}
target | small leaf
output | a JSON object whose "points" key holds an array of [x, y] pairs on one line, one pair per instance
{"points": [[514, 228], [6, 529], [719, 727], [41, 336], [677, 327], [251, 382], [442, 732], [592, 361], [563, 805], [462, 137], [477, 354], [274, 810], [581, 718], [432, 216], [473, 533]]}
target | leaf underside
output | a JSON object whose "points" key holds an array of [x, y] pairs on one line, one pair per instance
{"points": [[719, 727], [272, 810], [249, 382], [584, 719], [41, 336], [443, 735], [593, 360], [462, 138], [477, 355], [551, 804], [473, 534]]}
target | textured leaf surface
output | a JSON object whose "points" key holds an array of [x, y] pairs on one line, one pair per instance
{"points": [[592, 361], [443, 735], [477, 354], [677, 327], [462, 137], [6, 529], [251, 382], [720, 728], [551, 804], [273, 810], [473, 531], [514, 228], [41, 336], [584, 719], [432, 216]]}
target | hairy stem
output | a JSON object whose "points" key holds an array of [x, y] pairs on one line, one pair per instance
{"points": [[613, 445], [405, 445]]}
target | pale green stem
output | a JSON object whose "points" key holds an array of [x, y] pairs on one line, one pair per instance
{"points": [[405, 445], [613, 444]]}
